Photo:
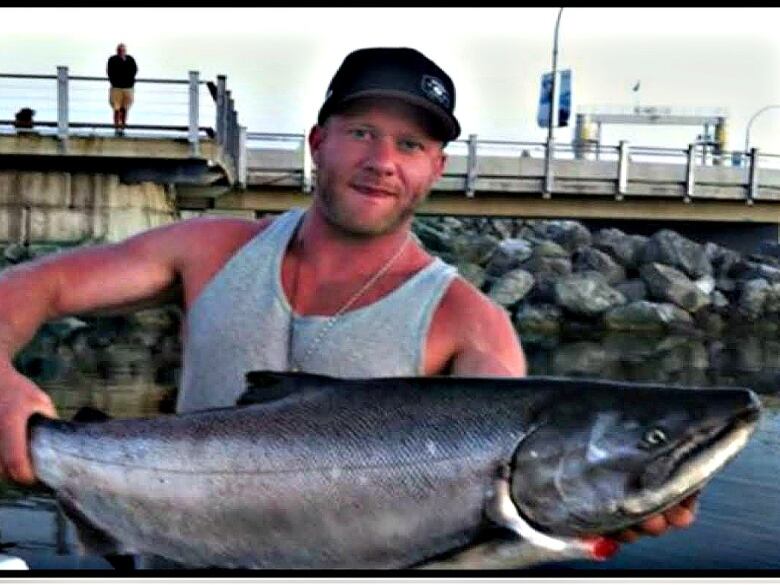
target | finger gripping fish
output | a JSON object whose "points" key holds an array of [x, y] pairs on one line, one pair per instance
{"points": [[315, 472]]}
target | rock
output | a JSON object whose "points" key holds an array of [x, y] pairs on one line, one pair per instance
{"points": [[719, 301], [668, 284], [726, 284], [63, 328], [634, 289], [433, 239], [157, 319], [504, 228], [512, 287], [543, 318], [752, 270], [568, 234], [582, 358], [549, 249], [722, 259], [705, 284], [624, 249], [772, 302], [682, 353], [764, 259], [630, 347], [586, 294], [670, 248], [476, 249], [646, 316], [769, 248], [752, 298], [586, 259], [474, 273], [508, 255], [16, 253], [546, 272]]}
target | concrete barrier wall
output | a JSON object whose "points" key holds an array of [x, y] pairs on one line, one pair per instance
{"points": [[67, 208]]}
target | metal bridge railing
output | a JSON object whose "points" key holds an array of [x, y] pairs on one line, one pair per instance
{"points": [[67, 105], [693, 159]]}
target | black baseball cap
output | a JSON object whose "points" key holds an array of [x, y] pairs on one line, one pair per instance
{"points": [[397, 72]]}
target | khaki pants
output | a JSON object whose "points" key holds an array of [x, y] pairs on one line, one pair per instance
{"points": [[120, 99]]}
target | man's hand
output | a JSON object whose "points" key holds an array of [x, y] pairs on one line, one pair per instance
{"points": [[19, 399], [680, 516]]}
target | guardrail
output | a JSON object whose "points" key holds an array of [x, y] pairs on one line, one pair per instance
{"points": [[67, 105], [623, 155]]}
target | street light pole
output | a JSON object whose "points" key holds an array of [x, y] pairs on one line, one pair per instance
{"points": [[750, 123], [550, 139]]}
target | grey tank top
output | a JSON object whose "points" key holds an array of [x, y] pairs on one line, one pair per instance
{"points": [[241, 322]]}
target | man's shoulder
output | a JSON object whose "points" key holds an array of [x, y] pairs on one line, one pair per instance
{"points": [[466, 303], [220, 228]]}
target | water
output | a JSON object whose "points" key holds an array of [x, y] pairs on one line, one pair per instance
{"points": [[738, 523]]}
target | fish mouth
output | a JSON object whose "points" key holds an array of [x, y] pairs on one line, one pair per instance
{"points": [[676, 475]]}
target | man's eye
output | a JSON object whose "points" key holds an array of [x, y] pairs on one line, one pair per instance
{"points": [[359, 133], [410, 145]]}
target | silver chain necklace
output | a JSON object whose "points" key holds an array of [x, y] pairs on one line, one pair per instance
{"points": [[294, 365]]}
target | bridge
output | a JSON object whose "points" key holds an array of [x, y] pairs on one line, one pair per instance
{"points": [[185, 153]]}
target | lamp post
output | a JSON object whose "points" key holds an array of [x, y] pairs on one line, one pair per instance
{"points": [[550, 139], [750, 123]]}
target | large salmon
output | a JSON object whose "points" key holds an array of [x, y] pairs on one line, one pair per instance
{"points": [[316, 472]]}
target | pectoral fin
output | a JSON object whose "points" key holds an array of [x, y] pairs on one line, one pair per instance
{"points": [[502, 554], [91, 538]]}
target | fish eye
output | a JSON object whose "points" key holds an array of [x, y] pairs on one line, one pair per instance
{"points": [[655, 437]]}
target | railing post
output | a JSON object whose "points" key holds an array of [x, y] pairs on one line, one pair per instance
{"points": [[242, 157], [194, 108], [62, 106], [228, 121], [622, 175], [547, 187], [690, 178], [231, 129], [471, 166], [306, 179], [221, 90], [753, 182]]}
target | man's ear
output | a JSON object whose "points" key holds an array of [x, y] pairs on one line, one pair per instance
{"points": [[316, 136], [440, 164]]}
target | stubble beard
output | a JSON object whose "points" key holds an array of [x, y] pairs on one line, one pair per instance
{"points": [[340, 218]]}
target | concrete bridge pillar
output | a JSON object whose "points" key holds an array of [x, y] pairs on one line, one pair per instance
{"points": [[71, 208]]}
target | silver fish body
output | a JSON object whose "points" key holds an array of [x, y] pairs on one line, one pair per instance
{"points": [[318, 472]]}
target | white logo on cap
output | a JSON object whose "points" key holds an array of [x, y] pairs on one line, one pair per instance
{"points": [[435, 90]]}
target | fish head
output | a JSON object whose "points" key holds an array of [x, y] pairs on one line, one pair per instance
{"points": [[600, 457]]}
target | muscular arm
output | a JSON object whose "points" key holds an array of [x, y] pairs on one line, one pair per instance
{"points": [[98, 277], [139, 270]]}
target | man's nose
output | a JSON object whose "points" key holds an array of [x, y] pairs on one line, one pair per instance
{"points": [[381, 156]]}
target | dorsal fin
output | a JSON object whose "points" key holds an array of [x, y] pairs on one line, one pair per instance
{"points": [[267, 386], [89, 414]]}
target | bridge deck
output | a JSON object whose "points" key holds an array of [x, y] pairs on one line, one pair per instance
{"points": [[663, 184]]}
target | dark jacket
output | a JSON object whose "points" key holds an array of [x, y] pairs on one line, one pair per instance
{"points": [[121, 73]]}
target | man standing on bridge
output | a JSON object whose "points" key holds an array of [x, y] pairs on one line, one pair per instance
{"points": [[121, 70], [341, 288]]}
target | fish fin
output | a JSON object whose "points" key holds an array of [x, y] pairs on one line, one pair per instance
{"points": [[92, 539], [267, 386], [121, 562], [89, 414], [501, 553]]}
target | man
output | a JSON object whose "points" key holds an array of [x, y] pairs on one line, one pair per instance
{"points": [[339, 289], [121, 70]]}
